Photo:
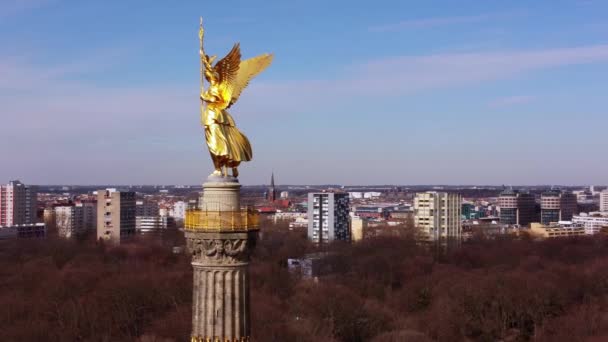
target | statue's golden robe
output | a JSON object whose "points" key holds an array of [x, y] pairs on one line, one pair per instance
{"points": [[223, 138]]}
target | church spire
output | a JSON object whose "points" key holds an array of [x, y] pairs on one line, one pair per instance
{"points": [[272, 193]]}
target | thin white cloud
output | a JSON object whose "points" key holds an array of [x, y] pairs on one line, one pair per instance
{"points": [[389, 77], [424, 23], [414, 73], [509, 101], [405, 75], [379, 78], [13, 7], [18, 73]]}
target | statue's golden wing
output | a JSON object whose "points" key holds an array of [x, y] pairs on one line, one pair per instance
{"points": [[249, 69], [227, 71]]}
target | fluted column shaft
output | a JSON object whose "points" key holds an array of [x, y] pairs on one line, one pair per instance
{"points": [[221, 302]]}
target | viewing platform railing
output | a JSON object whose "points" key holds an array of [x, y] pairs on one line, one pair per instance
{"points": [[246, 219]]}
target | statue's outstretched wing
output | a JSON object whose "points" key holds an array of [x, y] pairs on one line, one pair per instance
{"points": [[227, 71], [249, 69]]}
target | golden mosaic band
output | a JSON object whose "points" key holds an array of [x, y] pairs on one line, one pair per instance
{"points": [[221, 220], [217, 339]]}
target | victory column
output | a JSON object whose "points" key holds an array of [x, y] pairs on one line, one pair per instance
{"points": [[220, 234]]}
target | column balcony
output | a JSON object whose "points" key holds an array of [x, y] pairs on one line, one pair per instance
{"points": [[216, 221]]}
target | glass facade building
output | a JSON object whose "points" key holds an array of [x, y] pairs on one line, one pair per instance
{"points": [[556, 205], [517, 208], [328, 218]]}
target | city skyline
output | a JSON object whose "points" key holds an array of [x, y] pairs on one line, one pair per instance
{"points": [[419, 92]]}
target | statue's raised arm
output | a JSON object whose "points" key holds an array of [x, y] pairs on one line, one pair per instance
{"points": [[206, 67]]}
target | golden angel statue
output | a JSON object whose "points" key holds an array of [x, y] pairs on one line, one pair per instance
{"points": [[227, 79]]}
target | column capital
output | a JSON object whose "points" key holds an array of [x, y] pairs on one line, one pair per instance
{"points": [[220, 248]]}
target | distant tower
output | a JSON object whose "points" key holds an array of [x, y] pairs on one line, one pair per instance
{"points": [[272, 192]]}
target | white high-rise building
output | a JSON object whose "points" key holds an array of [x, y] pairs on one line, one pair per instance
{"points": [[18, 204], [328, 218], [179, 210], [604, 201], [77, 219], [437, 215], [69, 220]]}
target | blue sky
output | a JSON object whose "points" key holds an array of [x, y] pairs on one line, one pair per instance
{"points": [[382, 92]]}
